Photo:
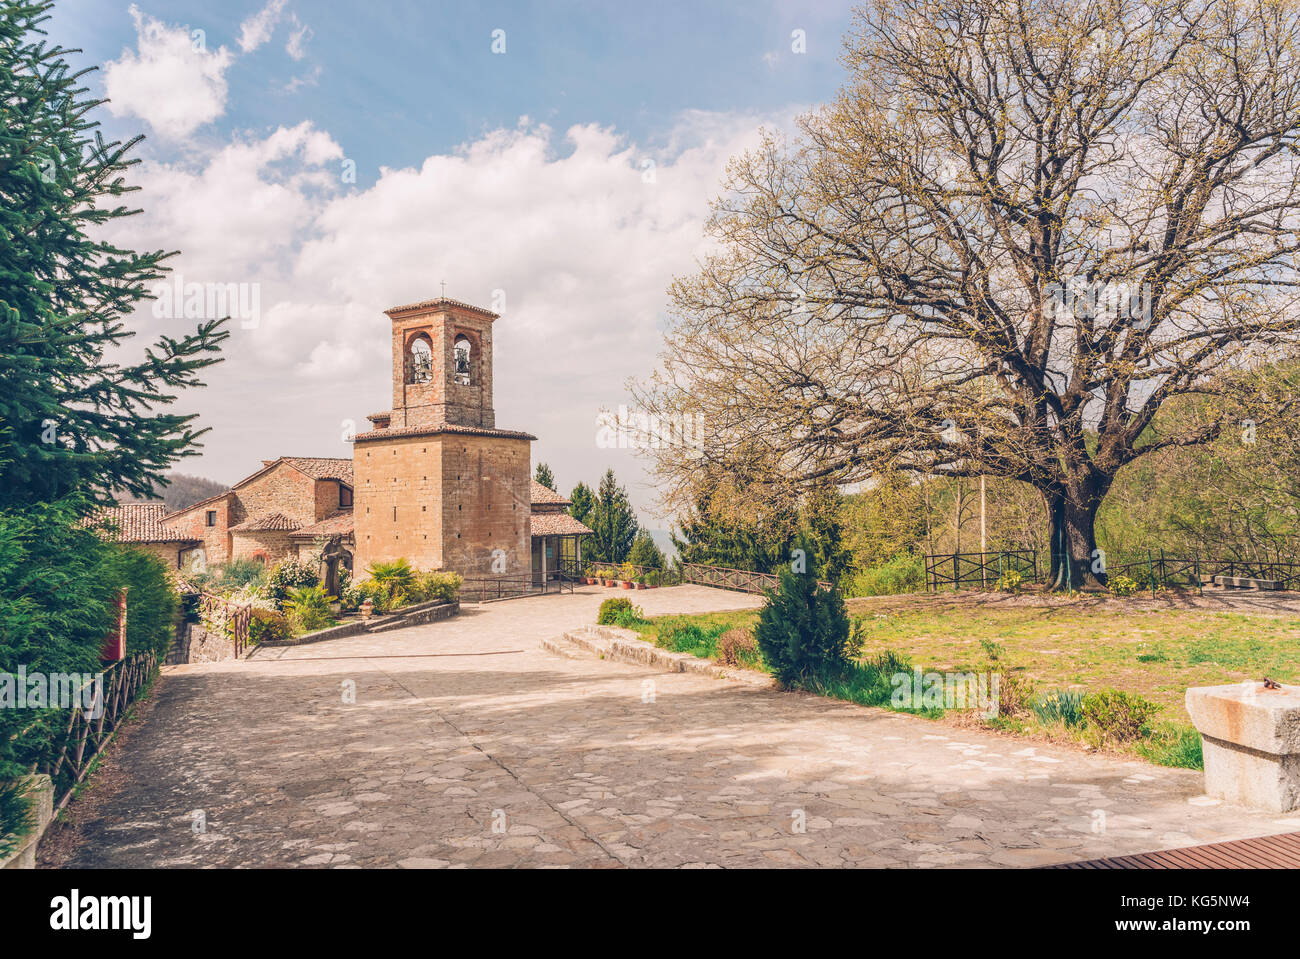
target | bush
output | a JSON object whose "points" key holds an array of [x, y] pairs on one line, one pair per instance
{"points": [[1178, 746], [645, 552], [241, 572], [610, 609], [737, 647], [268, 626], [1063, 706], [1010, 581], [804, 631], [308, 608], [1121, 585], [395, 581], [437, 585], [1116, 715], [287, 575], [901, 574], [151, 598]]}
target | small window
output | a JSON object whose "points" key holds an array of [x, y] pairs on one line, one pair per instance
{"points": [[212, 517], [345, 495], [419, 361]]}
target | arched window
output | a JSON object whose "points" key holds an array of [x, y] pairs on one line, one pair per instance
{"points": [[419, 360], [464, 350]]}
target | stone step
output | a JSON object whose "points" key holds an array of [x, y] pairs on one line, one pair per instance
{"points": [[623, 645]]}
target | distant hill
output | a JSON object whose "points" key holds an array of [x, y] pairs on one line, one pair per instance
{"points": [[183, 490]]}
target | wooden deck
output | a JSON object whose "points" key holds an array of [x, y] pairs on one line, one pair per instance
{"points": [[1267, 852]]}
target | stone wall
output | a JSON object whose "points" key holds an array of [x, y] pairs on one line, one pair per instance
{"points": [[487, 504], [198, 645], [268, 545], [215, 540], [398, 497], [40, 794]]}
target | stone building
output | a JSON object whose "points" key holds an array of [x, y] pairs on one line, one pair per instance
{"points": [[434, 481], [141, 524]]}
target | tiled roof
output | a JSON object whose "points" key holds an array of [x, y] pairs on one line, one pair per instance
{"points": [[544, 494], [340, 524], [441, 301], [269, 522], [442, 428], [556, 524], [193, 506], [322, 467], [136, 523]]}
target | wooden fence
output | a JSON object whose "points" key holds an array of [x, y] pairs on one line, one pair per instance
{"points": [[979, 570], [743, 580], [222, 616], [88, 731]]}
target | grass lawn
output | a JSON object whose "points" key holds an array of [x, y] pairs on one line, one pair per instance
{"points": [[1155, 648]]}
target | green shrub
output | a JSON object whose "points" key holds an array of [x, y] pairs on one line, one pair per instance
{"points": [[268, 625], [1121, 585], [737, 647], [395, 581], [151, 598], [287, 575], [688, 637], [804, 631], [1063, 706], [308, 609], [241, 572], [1010, 581], [437, 585], [1116, 715], [610, 609], [901, 574]]}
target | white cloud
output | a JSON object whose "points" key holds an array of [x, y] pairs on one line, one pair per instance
{"points": [[171, 81], [569, 227], [298, 38], [257, 29]]}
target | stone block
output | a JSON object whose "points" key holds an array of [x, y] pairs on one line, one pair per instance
{"points": [[1251, 738]]}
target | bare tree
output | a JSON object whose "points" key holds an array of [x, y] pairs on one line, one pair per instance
{"points": [[1021, 228]]}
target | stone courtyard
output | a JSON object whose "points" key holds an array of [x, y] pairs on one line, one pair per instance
{"points": [[464, 743]]}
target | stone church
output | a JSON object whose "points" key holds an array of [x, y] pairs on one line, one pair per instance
{"points": [[434, 480]]}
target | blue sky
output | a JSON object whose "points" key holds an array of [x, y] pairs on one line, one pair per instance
{"points": [[519, 174]]}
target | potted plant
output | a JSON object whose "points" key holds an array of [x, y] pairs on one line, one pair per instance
{"points": [[367, 608], [640, 580], [628, 575]]}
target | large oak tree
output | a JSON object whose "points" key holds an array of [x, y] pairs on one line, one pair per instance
{"points": [[1021, 229]]}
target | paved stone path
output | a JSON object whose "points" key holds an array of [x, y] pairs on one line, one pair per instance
{"points": [[469, 745]]}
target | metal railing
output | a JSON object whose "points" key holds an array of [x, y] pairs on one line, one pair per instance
{"points": [[983, 570], [485, 589]]}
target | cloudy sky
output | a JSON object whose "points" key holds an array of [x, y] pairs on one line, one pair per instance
{"points": [[555, 159]]}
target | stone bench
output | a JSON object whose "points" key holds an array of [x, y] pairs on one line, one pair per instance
{"points": [[1245, 582], [1251, 739]]}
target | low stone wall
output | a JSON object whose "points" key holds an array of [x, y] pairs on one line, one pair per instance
{"points": [[410, 616], [40, 793], [198, 645]]}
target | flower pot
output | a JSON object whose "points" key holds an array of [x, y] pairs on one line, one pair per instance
{"points": [[640, 585], [627, 585]]}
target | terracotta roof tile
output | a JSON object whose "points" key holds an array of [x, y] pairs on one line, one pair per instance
{"points": [[268, 522], [440, 301], [544, 494], [442, 428], [339, 524], [136, 523], [556, 524], [322, 467]]}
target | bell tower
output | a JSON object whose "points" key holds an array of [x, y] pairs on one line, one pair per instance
{"points": [[442, 364]]}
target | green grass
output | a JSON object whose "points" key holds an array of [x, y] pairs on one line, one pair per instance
{"points": [[1068, 647]]}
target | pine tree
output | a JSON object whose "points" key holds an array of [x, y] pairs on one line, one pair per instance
{"points": [[803, 632], [69, 419], [612, 521], [824, 530], [645, 552], [544, 476], [581, 502]]}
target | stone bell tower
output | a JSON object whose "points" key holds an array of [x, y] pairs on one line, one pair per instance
{"points": [[442, 364], [436, 482]]}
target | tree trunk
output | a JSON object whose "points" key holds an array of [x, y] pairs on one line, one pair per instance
{"points": [[1072, 539]]}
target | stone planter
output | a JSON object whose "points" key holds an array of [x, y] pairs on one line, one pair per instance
{"points": [[1251, 740], [640, 585]]}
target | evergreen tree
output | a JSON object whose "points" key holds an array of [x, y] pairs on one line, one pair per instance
{"points": [[824, 530], [759, 543], [645, 552], [804, 632], [612, 521], [544, 476], [69, 419], [581, 502]]}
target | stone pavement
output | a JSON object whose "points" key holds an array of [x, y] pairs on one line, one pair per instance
{"points": [[467, 744]]}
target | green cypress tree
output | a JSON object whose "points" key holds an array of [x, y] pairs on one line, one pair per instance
{"points": [[612, 521], [581, 502], [544, 476], [803, 632], [71, 420]]}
